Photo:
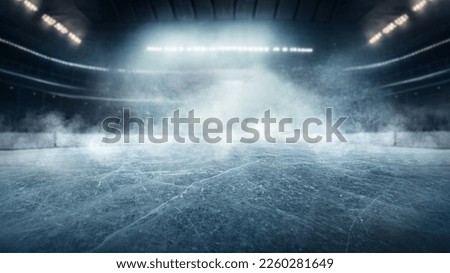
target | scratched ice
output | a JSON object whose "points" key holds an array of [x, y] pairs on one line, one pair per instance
{"points": [[183, 198]]}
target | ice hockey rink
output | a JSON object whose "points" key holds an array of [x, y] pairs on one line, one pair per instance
{"points": [[264, 198], [73, 73]]}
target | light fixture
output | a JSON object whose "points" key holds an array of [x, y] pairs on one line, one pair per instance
{"points": [[61, 28], [48, 20], [227, 49], [420, 6], [74, 38], [30, 6], [156, 49], [401, 20], [375, 38], [389, 28]]}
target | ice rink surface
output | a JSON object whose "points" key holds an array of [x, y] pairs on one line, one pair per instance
{"points": [[187, 198]]}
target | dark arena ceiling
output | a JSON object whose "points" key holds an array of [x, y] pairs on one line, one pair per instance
{"points": [[144, 11]]}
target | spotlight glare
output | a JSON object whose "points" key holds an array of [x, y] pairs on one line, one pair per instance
{"points": [[401, 20], [74, 38], [48, 20], [389, 28], [30, 6], [420, 6], [375, 38], [154, 49], [61, 28], [227, 49]]}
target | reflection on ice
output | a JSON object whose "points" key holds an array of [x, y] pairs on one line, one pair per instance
{"points": [[273, 198]]}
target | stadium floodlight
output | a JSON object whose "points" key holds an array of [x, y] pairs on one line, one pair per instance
{"points": [[375, 38], [305, 50], [420, 6], [61, 28], [154, 49], [30, 6], [74, 38], [228, 49], [389, 28], [48, 20], [401, 20]]}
